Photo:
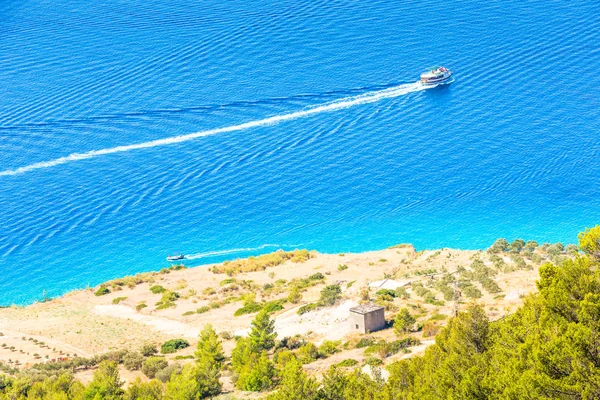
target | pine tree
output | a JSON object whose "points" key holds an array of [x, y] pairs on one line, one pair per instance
{"points": [[240, 355], [209, 358], [106, 384], [403, 322], [262, 336], [295, 385], [139, 390], [256, 375], [183, 386]]}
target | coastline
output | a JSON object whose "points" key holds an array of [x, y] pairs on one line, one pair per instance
{"points": [[130, 314]]}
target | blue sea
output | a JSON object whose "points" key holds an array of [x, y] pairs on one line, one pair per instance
{"points": [[130, 130]]}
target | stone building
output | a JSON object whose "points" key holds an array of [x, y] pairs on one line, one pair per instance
{"points": [[367, 318]]}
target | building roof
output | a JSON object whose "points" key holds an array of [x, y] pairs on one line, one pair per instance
{"points": [[365, 308]]}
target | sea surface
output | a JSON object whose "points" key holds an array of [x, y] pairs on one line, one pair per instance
{"points": [[130, 130]]}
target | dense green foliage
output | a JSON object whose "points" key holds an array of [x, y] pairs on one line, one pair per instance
{"points": [[102, 290], [171, 346], [262, 335], [152, 365], [156, 289], [404, 322], [329, 295]]}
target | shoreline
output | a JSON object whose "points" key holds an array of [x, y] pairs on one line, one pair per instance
{"points": [[193, 265], [176, 302], [207, 265]]}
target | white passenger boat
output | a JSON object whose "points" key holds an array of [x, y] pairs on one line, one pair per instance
{"points": [[176, 257], [436, 76]]}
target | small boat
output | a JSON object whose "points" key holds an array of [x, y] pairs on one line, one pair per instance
{"points": [[176, 257], [436, 76]]}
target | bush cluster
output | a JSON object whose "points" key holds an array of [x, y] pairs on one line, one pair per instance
{"points": [[260, 263], [171, 346]]}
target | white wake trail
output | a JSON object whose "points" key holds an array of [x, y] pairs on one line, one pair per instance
{"points": [[347, 102], [230, 251]]}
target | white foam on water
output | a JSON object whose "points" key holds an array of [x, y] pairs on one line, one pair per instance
{"points": [[370, 97], [230, 251]]}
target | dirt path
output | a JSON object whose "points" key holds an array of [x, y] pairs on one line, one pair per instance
{"points": [[161, 324]]}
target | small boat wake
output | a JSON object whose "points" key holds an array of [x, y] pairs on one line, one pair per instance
{"points": [[240, 250]]}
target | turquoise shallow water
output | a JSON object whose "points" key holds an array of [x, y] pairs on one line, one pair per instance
{"points": [[356, 158]]}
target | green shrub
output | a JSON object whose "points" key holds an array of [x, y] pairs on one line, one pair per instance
{"points": [[294, 296], [249, 308], [171, 346], [148, 349], [260, 263], [500, 245], [165, 374], [316, 277], [386, 292], [404, 321], [164, 305], [308, 353], [133, 361], [202, 310], [349, 362], [519, 261], [373, 361], [290, 343], [117, 300], [188, 357], [307, 308], [140, 306], [430, 329], [401, 293], [275, 305], [152, 365], [329, 295], [329, 347], [169, 296], [446, 291], [365, 342], [102, 290], [471, 291], [227, 281], [156, 289], [490, 286], [342, 267], [430, 299]]}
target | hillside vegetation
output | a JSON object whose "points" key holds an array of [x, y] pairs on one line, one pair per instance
{"points": [[547, 349]]}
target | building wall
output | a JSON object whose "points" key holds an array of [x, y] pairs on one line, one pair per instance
{"points": [[365, 323], [357, 322], [375, 320]]}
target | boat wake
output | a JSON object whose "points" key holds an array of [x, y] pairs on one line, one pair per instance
{"points": [[233, 251], [347, 102]]}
